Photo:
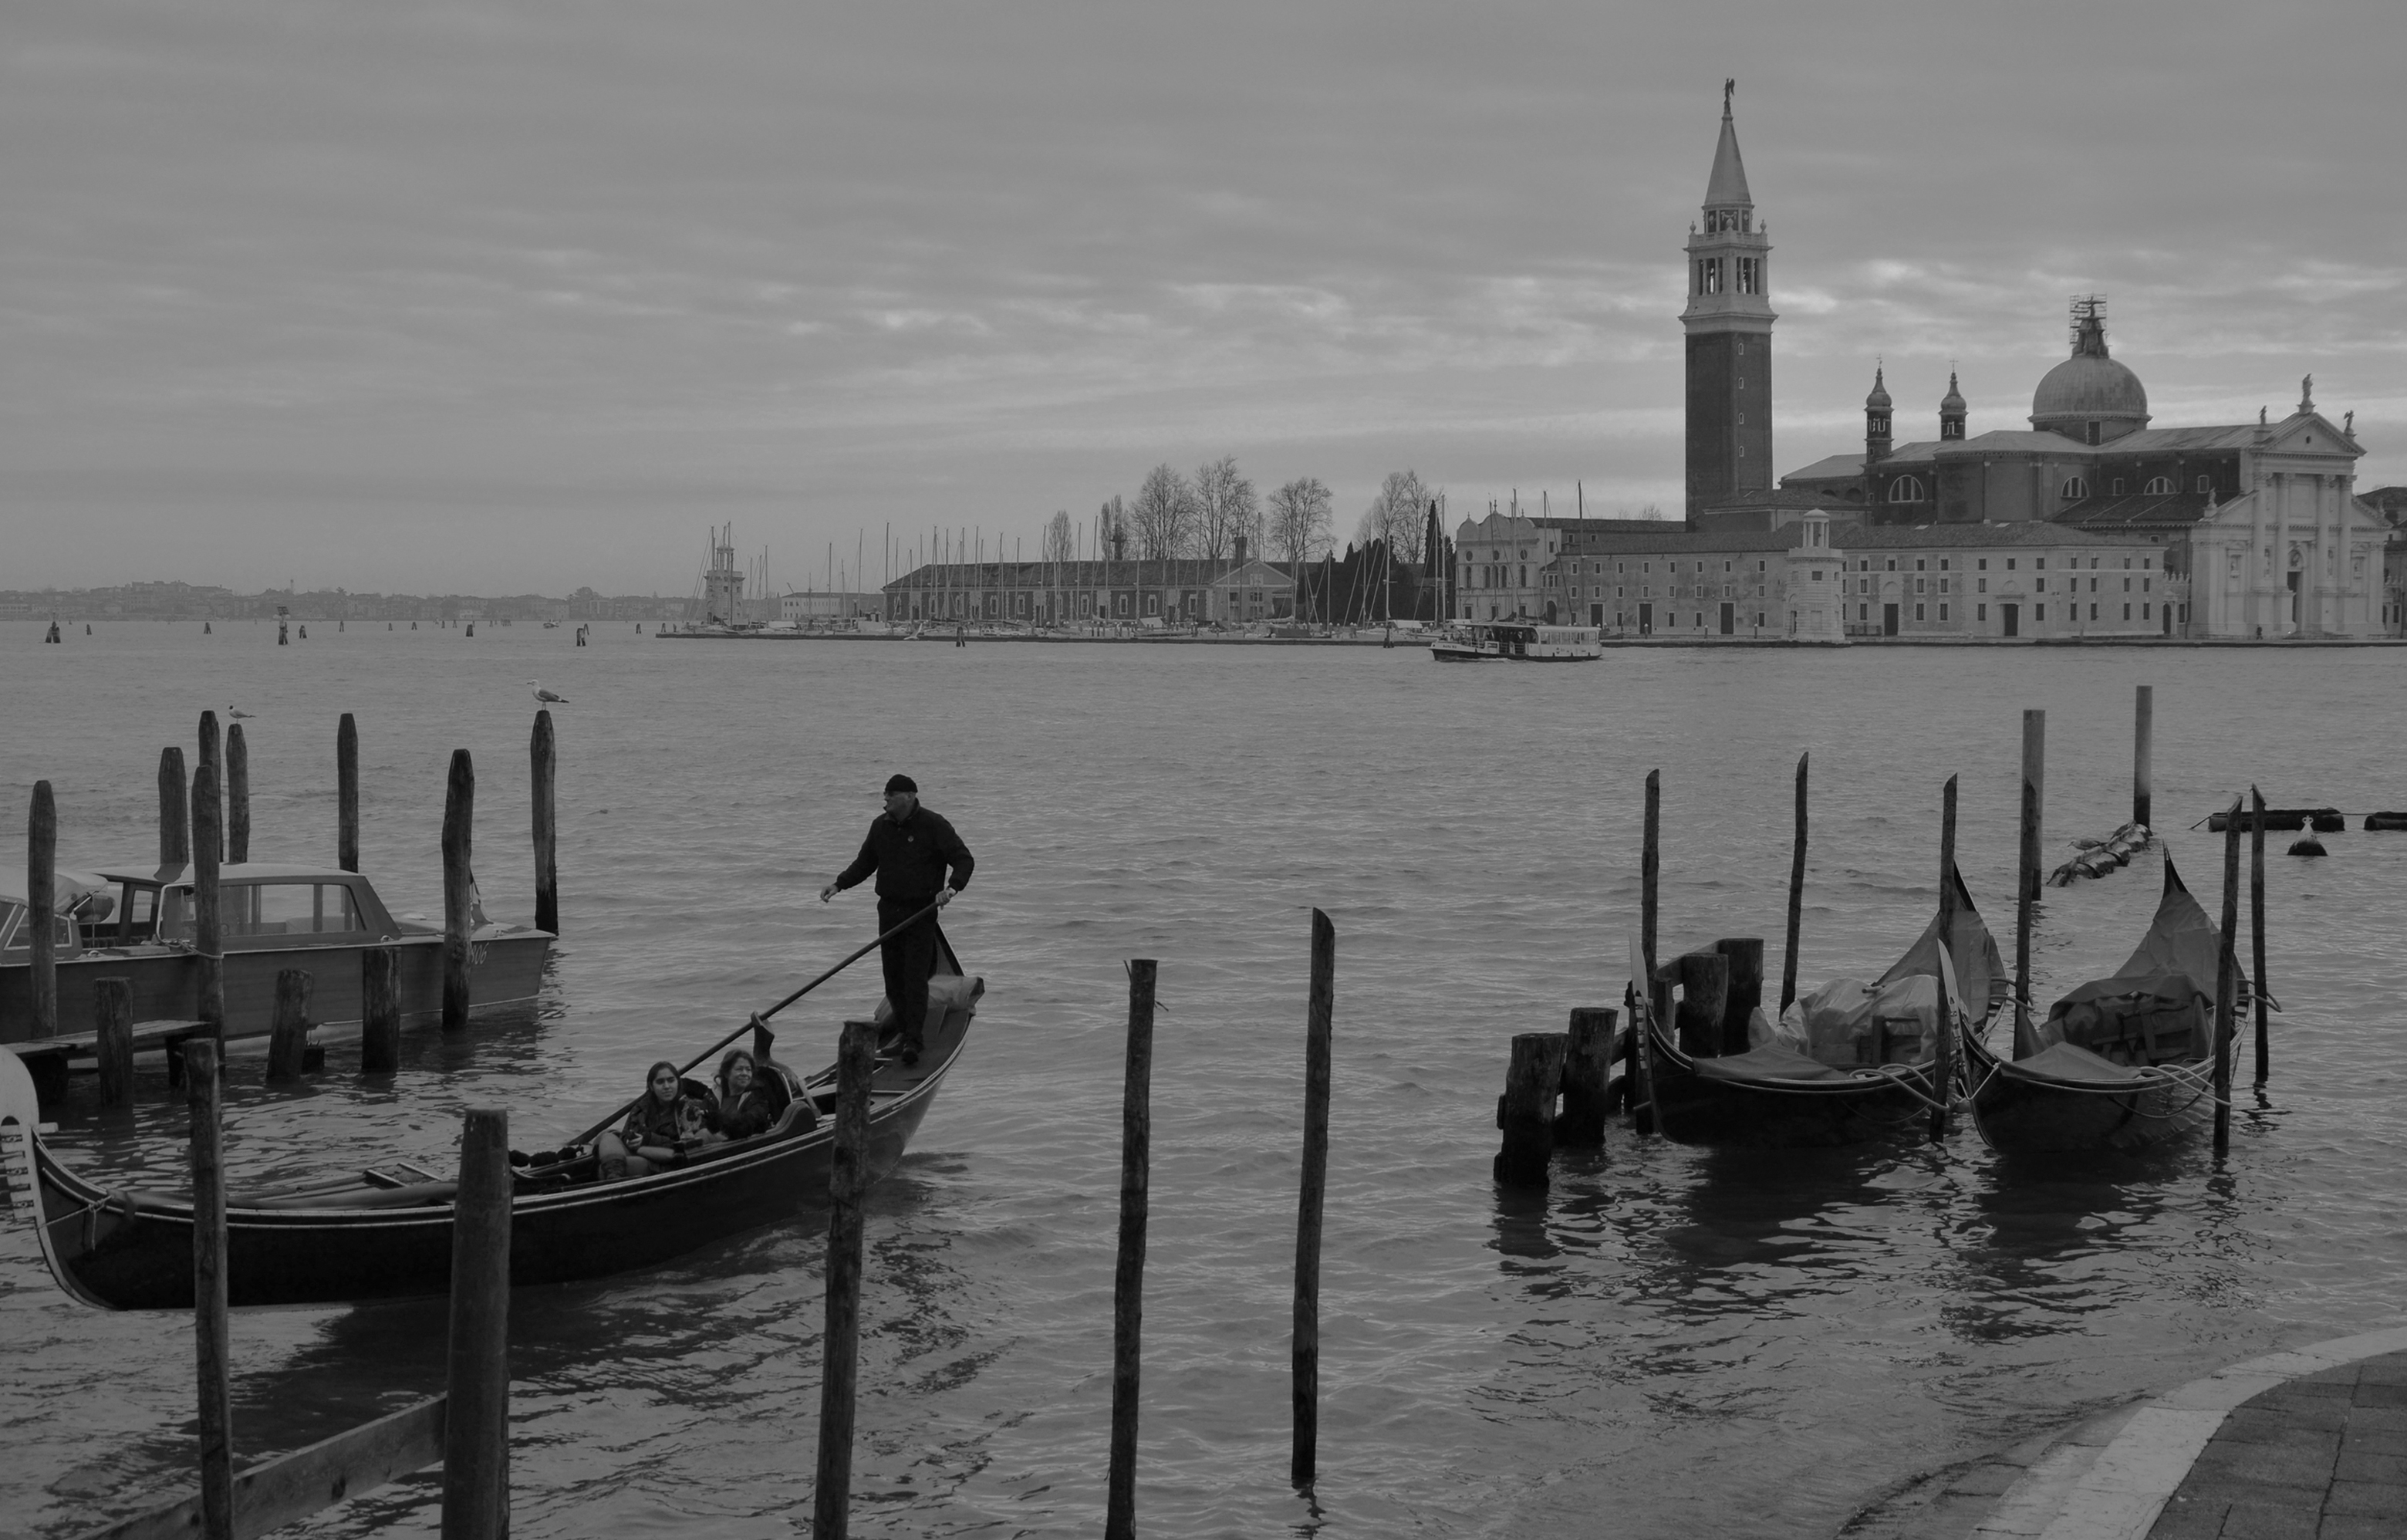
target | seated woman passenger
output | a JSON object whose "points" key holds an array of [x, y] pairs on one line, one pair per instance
{"points": [[649, 1139], [744, 1104]]}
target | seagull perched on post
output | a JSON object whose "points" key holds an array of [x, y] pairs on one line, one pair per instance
{"points": [[237, 713], [547, 697]]}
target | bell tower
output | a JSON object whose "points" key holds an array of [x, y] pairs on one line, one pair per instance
{"points": [[1729, 321]]}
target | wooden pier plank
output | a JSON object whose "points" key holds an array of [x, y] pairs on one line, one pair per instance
{"points": [[283, 1490]]}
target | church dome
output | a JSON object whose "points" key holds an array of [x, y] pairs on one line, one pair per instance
{"points": [[2090, 386], [1878, 401], [1953, 402]]}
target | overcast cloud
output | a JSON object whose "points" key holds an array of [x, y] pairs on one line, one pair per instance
{"points": [[510, 296]]}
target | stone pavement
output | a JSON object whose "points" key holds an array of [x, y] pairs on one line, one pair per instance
{"points": [[2305, 1445]]}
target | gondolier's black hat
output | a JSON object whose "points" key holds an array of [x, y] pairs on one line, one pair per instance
{"points": [[901, 783]]}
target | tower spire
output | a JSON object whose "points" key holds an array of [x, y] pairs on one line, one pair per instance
{"points": [[1729, 321]]}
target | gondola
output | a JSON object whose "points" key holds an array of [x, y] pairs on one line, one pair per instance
{"points": [[1774, 1096], [381, 1237], [2121, 1062]]}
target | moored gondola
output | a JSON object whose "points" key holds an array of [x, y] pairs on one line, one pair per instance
{"points": [[1782, 1094], [377, 1237], [2121, 1062]]}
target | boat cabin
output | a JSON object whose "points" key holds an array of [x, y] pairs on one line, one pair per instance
{"points": [[79, 901], [260, 905]]}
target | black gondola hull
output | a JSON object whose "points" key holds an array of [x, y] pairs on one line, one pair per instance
{"points": [[2019, 1114], [130, 1250], [1692, 1108]]}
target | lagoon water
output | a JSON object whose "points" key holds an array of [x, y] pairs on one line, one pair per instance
{"points": [[1668, 1342]]}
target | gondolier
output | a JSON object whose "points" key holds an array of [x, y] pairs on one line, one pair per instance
{"points": [[919, 860]]}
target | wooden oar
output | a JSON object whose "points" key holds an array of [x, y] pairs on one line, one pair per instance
{"points": [[758, 1019]]}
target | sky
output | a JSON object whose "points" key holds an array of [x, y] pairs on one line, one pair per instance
{"points": [[510, 296]]}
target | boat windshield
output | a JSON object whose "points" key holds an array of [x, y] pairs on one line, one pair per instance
{"points": [[17, 935], [265, 908]]}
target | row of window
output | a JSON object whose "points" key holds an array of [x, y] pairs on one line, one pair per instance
{"points": [[2039, 612], [1909, 488]]}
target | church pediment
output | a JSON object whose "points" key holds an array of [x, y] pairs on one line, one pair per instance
{"points": [[2309, 433]]}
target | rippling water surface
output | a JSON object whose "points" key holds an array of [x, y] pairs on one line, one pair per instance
{"points": [[1669, 1341]]}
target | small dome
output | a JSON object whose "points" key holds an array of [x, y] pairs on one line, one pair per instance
{"points": [[1878, 401], [1952, 403]]}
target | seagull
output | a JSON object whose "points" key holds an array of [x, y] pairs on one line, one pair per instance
{"points": [[547, 697], [238, 714]]}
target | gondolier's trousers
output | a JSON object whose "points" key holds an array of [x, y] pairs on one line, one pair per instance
{"points": [[909, 959]]}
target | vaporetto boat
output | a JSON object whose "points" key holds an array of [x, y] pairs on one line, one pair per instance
{"points": [[1516, 641]]}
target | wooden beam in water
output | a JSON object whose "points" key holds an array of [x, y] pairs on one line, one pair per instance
{"points": [[209, 1329], [42, 909], [543, 754], [2257, 926], [2228, 980], [238, 791], [284, 1490], [1946, 1046]]}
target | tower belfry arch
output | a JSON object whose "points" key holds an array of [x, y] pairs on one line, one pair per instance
{"points": [[1728, 324]]}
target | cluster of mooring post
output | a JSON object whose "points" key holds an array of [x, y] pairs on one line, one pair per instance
{"points": [[1128, 1274], [466, 1429], [1705, 1000], [204, 825]]}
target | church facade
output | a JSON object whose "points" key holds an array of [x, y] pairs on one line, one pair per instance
{"points": [[2237, 530]]}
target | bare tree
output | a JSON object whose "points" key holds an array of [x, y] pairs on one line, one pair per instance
{"points": [[1225, 509], [1112, 531], [1164, 514], [1397, 514], [1299, 521], [1059, 544]]}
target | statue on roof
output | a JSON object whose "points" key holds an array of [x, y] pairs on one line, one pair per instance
{"points": [[2307, 393], [1728, 86]]}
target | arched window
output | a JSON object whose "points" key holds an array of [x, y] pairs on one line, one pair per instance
{"points": [[2076, 488], [1905, 489], [2159, 486]]}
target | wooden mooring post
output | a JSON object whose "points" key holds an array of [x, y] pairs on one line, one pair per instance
{"points": [[2257, 927], [208, 943], [1947, 1047], [2228, 980], [847, 1179], [1588, 1072], [288, 1035], [1743, 994], [1320, 1005], [210, 1343], [1525, 1112], [1642, 1098], [2027, 876], [459, 816], [1704, 979], [379, 1010], [212, 758], [174, 832], [476, 1429], [1796, 892], [346, 795], [112, 1039], [2035, 781], [41, 910], [1128, 1272], [2143, 731], [237, 795], [541, 751]]}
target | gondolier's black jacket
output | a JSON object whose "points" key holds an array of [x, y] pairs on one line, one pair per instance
{"points": [[910, 858]]}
